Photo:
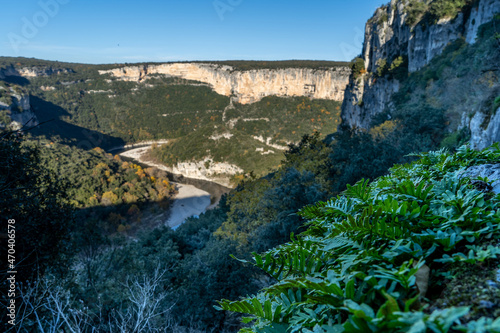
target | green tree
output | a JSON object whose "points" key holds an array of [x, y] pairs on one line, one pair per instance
{"points": [[32, 197], [358, 67]]}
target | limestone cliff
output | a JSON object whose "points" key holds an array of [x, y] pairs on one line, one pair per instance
{"points": [[217, 172], [394, 31], [32, 71], [15, 109], [206, 169], [483, 136], [249, 86]]}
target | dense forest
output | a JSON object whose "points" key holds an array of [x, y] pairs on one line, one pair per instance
{"points": [[168, 280], [349, 232], [282, 120]]}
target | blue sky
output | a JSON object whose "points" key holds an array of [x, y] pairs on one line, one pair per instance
{"points": [[117, 31]]}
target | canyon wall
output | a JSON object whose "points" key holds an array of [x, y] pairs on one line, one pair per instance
{"points": [[32, 71], [388, 35], [15, 104], [252, 85], [483, 136]]}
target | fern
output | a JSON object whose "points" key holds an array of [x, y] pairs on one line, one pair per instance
{"points": [[360, 191], [355, 268], [421, 192]]}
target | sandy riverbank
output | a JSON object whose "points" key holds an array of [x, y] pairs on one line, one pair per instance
{"points": [[188, 202], [218, 173]]}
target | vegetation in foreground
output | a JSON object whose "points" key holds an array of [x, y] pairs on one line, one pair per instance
{"points": [[97, 280], [383, 257]]}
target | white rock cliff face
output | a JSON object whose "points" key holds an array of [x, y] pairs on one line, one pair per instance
{"points": [[32, 71], [249, 86], [19, 111], [481, 136], [428, 42], [480, 14], [206, 169], [365, 99], [387, 36]]}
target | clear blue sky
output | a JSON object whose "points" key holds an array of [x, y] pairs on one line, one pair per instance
{"points": [[117, 31]]}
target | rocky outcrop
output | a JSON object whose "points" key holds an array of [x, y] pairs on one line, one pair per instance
{"points": [[15, 105], [206, 169], [490, 171], [248, 86], [365, 98], [32, 71], [485, 129], [388, 36], [480, 14], [428, 42]]}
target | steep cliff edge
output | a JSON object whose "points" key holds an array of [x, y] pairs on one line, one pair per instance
{"points": [[252, 85], [411, 34], [15, 109], [34, 71]]}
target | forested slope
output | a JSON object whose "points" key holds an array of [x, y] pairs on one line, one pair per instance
{"points": [[87, 109], [350, 271]]}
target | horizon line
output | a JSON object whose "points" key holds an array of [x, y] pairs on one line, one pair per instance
{"points": [[175, 61]]}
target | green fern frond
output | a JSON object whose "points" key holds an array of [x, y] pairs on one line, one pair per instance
{"points": [[360, 190], [254, 307], [420, 192], [311, 212]]}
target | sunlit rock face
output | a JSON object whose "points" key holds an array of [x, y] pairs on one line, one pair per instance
{"points": [[32, 71], [387, 36], [252, 85], [484, 132], [17, 108]]}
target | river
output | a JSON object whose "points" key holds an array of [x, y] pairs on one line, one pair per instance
{"points": [[194, 196]]}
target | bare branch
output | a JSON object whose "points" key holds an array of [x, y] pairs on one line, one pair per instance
{"points": [[23, 129]]}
